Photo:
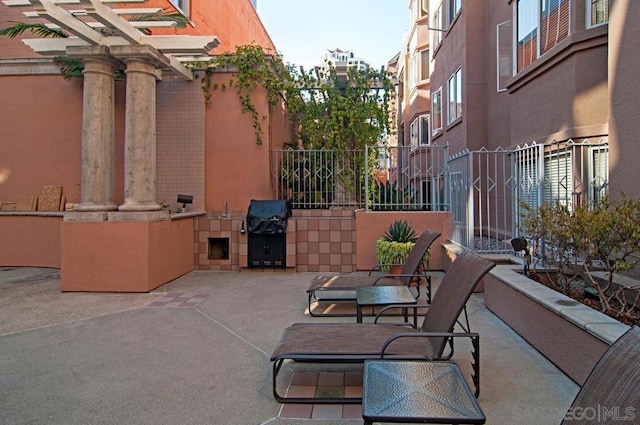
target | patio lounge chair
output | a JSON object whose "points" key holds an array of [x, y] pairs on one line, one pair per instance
{"points": [[611, 393], [357, 342], [343, 287]]}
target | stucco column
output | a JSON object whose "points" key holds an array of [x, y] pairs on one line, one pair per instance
{"points": [[140, 132], [96, 190], [624, 92]]}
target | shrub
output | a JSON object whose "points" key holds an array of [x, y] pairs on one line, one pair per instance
{"points": [[400, 231], [603, 235]]}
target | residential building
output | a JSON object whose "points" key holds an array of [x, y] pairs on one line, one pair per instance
{"points": [[339, 58], [392, 69], [414, 77], [412, 67], [511, 73], [543, 84]]}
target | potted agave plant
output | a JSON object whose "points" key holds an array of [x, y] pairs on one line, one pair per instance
{"points": [[393, 247]]}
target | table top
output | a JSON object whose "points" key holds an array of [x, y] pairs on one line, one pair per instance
{"points": [[432, 392], [384, 295]]}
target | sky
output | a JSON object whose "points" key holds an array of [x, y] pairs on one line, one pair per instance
{"points": [[304, 30]]}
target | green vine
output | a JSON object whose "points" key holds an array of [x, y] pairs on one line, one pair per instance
{"points": [[254, 68]]}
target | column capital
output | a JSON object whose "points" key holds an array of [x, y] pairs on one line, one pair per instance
{"points": [[143, 53], [93, 53]]}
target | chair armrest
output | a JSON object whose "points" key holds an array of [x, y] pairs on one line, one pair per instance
{"points": [[386, 276], [378, 267], [426, 274], [391, 306]]}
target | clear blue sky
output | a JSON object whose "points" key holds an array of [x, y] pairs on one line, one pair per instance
{"points": [[303, 30]]}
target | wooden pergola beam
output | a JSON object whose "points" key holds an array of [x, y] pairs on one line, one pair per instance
{"points": [[127, 33], [108, 17]]}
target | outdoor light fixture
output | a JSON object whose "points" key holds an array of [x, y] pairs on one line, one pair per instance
{"points": [[184, 200], [519, 245]]}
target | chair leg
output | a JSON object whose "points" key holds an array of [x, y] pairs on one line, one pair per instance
{"points": [[313, 299], [277, 365], [475, 342]]}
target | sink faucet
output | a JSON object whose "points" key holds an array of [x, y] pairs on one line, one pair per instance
{"points": [[226, 212]]}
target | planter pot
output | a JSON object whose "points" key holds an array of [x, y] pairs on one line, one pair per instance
{"points": [[570, 334]]}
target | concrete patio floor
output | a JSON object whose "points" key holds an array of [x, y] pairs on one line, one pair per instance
{"points": [[196, 351]]}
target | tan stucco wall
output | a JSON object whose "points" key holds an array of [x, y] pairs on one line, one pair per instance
{"points": [[371, 225], [624, 95], [567, 100]]}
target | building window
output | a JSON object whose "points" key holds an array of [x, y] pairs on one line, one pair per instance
{"points": [[436, 110], [419, 9], [542, 24], [454, 8], [504, 56], [413, 72], [554, 23], [424, 64], [454, 95], [182, 5], [558, 173], [419, 131], [437, 25], [599, 173], [424, 7], [597, 12], [425, 134], [413, 134]]}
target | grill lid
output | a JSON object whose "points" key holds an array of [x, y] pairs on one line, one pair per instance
{"points": [[268, 217]]}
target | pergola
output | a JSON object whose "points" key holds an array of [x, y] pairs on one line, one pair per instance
{"points": [[103, 40]]}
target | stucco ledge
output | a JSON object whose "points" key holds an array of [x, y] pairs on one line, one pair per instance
{"points": [[594, 322]]}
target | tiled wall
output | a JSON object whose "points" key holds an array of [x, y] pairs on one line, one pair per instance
{"points": [[180, 142], [326, 240], [317, 241]]}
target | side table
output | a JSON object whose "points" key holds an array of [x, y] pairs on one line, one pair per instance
{"points": [[417, 391], [372, 296]]}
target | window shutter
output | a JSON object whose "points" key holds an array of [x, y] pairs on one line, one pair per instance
{"points": [[558, 178], [599, 172]]}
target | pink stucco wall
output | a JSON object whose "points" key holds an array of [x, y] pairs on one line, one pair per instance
{"points": [[237, 167], [235, 23], [371, 225], [30, 241], [125, 256], [41, 128]]}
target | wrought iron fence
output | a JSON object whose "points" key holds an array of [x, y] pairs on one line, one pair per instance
{"points": [[407, 178], [319, 178], [482, 196], [483, 189], [378, 178], [488, 187]]}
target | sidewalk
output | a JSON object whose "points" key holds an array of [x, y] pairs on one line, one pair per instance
{"points": [[196, 351]]}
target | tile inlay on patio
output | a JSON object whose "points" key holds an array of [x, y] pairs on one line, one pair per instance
{"points": [[323, 384], [179, 299]]}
